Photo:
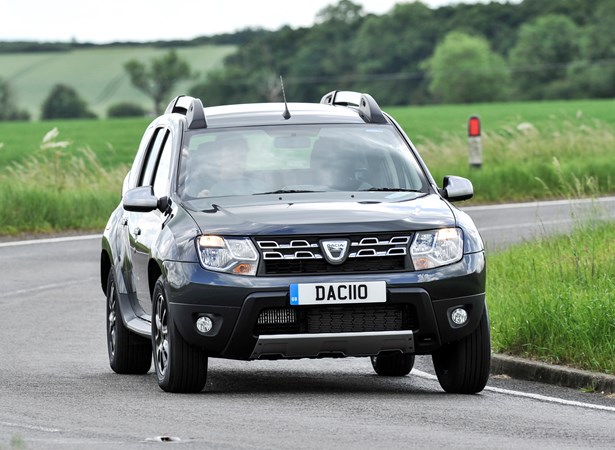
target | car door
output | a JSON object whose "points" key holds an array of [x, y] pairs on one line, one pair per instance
{"points": [[143, 228]]}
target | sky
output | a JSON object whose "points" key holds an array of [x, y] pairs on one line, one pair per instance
{"points": [[149, 20]]}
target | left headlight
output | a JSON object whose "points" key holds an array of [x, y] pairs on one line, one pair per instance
{"points": [[436, 248], [230, 255]]}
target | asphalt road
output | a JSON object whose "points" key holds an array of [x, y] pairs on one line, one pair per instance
{"points": [[57, 390]]}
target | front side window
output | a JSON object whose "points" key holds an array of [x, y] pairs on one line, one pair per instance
{"points": [[303, 158], [152, 157]]}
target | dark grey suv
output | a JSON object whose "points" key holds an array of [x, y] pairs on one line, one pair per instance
{"points": [[272, 231]]}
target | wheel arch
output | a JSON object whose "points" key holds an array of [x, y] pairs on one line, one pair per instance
{"points": [[105, 268], [153, 273]]}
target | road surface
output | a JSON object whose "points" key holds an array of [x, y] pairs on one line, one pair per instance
{"points": [[57, 390]]}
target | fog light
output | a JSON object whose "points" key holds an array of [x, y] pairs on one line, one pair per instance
{"points": [[459, 316], [204, 324]]}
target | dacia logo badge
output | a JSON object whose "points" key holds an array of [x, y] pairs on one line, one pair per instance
{"points": [[335, 251]]}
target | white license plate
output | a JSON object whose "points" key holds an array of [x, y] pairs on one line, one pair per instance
{"points": [[338, 293]]}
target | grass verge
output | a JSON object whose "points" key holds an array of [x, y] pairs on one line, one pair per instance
{"points": [[58, 189], [554, 299], [525, 163]]}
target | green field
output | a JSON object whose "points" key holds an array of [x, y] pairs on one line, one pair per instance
{"points": [[442, 122], [97, 73], [567, 152], [114, 141], [434, 129]]}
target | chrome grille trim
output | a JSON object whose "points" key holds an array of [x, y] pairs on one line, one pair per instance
{"points": [[307, 248]]}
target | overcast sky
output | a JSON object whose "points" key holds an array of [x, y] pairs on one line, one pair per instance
{"points": [[147, 20]]}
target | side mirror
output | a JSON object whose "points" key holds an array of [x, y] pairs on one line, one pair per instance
{"points": [[140, 199], [455, 189]]}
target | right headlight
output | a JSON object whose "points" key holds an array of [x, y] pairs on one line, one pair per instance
{"points": [[435, 248], [230, 255]]}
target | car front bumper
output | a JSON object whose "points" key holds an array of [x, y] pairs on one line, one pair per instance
{"points": [[234, 303]]}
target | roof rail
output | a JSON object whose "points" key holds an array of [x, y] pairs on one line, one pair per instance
{"points": [[367, 106], [190, 107]]}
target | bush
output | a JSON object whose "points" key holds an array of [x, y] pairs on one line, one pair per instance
{"points": [[8, 106], [125, 109], [64, 102]]}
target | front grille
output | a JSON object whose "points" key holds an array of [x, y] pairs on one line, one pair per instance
{"points": [[336, 319], [304, 255]]}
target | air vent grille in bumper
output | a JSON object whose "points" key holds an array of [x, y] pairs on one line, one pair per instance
{"points": [[336, 319]]}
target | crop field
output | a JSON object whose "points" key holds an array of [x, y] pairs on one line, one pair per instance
{"points": [[97, 74]]}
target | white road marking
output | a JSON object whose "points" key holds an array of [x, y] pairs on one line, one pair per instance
{"points": [[30, 427], [46, 287], [542, 398], [526, 225], [50, 240], [539, 204]]}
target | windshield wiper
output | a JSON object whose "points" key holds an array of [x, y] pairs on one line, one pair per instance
{"points": [[286, 191], [389, 189]]}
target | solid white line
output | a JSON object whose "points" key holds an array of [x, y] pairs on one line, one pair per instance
{"points": [[542, 398], [45, 287], [50, 240], [525, 225], [540, 204], [30, 427]]}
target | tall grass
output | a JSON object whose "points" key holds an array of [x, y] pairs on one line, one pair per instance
{"points": [[58, 188], [525, 163], [554, 299]]}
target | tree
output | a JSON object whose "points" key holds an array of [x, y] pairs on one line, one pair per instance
{"points": [[8, 105], [158, 80], [344, 12], [125, 109], [63, 102], [464, 70], [541, 56], [388, 50], [594, 75]]}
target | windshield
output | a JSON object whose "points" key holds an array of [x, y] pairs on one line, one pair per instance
{"points": [[302, 158]]}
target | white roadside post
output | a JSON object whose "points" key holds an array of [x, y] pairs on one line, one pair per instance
{"points": [[475, 144]]}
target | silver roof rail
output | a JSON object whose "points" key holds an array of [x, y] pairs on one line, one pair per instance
{"points": [[365, 103], [190, 107]]}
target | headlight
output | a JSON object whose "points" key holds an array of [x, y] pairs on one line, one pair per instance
{"points": [[231, 255], [436, 248]]}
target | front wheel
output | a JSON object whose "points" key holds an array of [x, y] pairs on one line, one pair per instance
{"points": [[180, 367], [463, 366], [393, 365]]}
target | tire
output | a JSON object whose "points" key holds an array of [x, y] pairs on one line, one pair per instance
{"points": [[393, 365], [129, 353], [463, 366], [180, 367]]}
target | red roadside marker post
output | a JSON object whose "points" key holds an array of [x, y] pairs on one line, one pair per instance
{"points": [[475, 145]]}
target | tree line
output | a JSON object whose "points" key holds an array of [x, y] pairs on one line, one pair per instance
{"points": [[537, 49]]}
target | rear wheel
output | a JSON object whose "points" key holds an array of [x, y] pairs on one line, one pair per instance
{"points": [[463, 366], [393, 365], [129, 353], [180, 367]]}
